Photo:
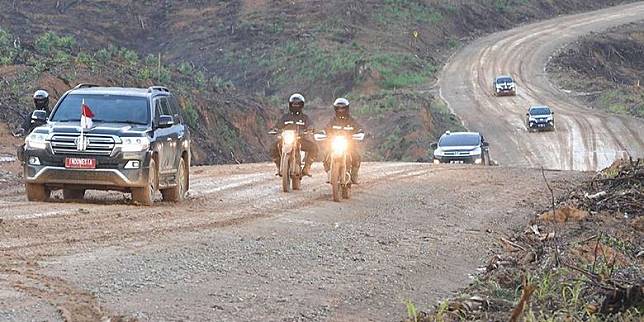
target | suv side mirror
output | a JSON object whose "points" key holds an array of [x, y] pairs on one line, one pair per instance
{"points": [[165, 121], [553, 113], [527, 114], [434, 145], [39, 116]]}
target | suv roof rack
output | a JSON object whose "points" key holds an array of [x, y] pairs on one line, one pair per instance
{"points": [[158, 88], [85, 85]]}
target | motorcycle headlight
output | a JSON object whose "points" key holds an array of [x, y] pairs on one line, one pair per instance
{"points": [[36, 141], [288, 137], [339, 144], [135, 144]]}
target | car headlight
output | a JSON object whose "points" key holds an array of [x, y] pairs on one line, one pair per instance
{"points": [[135, 144], [36, 141], [475, 152], [339, 144], [439, 153], [288, 136]]}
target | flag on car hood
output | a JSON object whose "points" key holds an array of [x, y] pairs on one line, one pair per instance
{"points": [[86, 116]]}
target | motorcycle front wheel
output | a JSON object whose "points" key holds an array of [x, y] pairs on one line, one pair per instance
{"points": [[286, 172], [336, 186], [346, 191], [296, 183]]}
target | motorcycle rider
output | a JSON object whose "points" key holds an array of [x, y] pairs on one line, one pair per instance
{"points": [[41, 102], [307, 144], [342, 118]]}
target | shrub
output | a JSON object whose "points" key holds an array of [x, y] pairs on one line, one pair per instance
{"points": [[50, 44]]}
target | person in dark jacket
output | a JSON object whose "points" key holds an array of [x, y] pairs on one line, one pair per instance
{"points": [[342, 119], [41, 102], [295, 116]]}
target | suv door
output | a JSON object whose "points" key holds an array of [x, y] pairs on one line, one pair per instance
{"points": [[163, 136], [180, 130]]}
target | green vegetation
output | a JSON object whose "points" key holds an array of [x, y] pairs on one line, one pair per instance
{"points": [[59, 56], [623, 100], [507, 5], [402, 70], [313, 62], [9, 48], [406, 11]]}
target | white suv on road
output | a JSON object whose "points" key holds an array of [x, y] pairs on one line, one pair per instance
{"points": [[461, 147], [504, 85]]}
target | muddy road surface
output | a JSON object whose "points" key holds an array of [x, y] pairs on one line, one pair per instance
{"points": [[240, 250], [584, 139]]}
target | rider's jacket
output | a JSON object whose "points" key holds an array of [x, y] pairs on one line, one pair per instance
{"points": [[300, 119], [346, 123]]}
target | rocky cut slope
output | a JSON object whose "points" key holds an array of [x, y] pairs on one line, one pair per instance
{"points": [[605, 69]]}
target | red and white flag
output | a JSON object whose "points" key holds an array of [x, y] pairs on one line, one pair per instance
{"points": [[86, 116]]}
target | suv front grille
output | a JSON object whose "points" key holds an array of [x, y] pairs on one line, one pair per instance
{"points": [[457, 153], [67, 144]]}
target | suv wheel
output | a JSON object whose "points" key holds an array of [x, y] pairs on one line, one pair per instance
{"points": [[37, 192], [145, 195], [178, 192], [73, 194]]}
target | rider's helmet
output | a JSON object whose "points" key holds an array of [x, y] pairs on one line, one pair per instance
{"points": [[341, 107], [41, 100], [296, 103]]}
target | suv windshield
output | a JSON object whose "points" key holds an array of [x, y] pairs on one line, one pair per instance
{"points": [[504, 80], [460, 140], [540, 111], [106, 108]]}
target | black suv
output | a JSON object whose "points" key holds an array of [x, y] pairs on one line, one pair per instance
{"points": [[540, 118], [138, 143]]}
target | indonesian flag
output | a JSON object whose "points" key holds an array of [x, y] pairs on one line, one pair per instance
{"points": [[86, 116]]}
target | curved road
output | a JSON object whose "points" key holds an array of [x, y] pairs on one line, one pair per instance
{"points": [[585, 139]]}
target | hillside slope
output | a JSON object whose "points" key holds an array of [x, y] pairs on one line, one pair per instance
{"points": [[235, 61]]}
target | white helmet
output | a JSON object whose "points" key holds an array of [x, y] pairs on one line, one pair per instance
{"points": [[296, 103], [297, 97], [341, 102]]}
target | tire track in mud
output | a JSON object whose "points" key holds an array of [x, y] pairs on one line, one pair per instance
{"points": [[240, 199], [70, 303], [584, 139]]}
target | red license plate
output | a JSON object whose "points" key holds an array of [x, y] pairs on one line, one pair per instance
{"points": [[80, 163]]}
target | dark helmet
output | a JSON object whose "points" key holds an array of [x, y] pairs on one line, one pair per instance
{"points": [[341, 107], [41, 100], [296, 103]]}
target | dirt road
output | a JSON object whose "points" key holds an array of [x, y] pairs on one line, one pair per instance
{"points": [[584, 139], [239, 250]]}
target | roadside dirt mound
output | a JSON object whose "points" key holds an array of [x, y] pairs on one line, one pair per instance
{"points": [[605, 69], [586, 266]]}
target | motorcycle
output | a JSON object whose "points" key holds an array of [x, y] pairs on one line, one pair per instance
{"points": [[339, 159], [292, 156]]}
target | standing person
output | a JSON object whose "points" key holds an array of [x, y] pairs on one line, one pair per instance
{"points": [[295, 115], [41, 102], [342, 118]]}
